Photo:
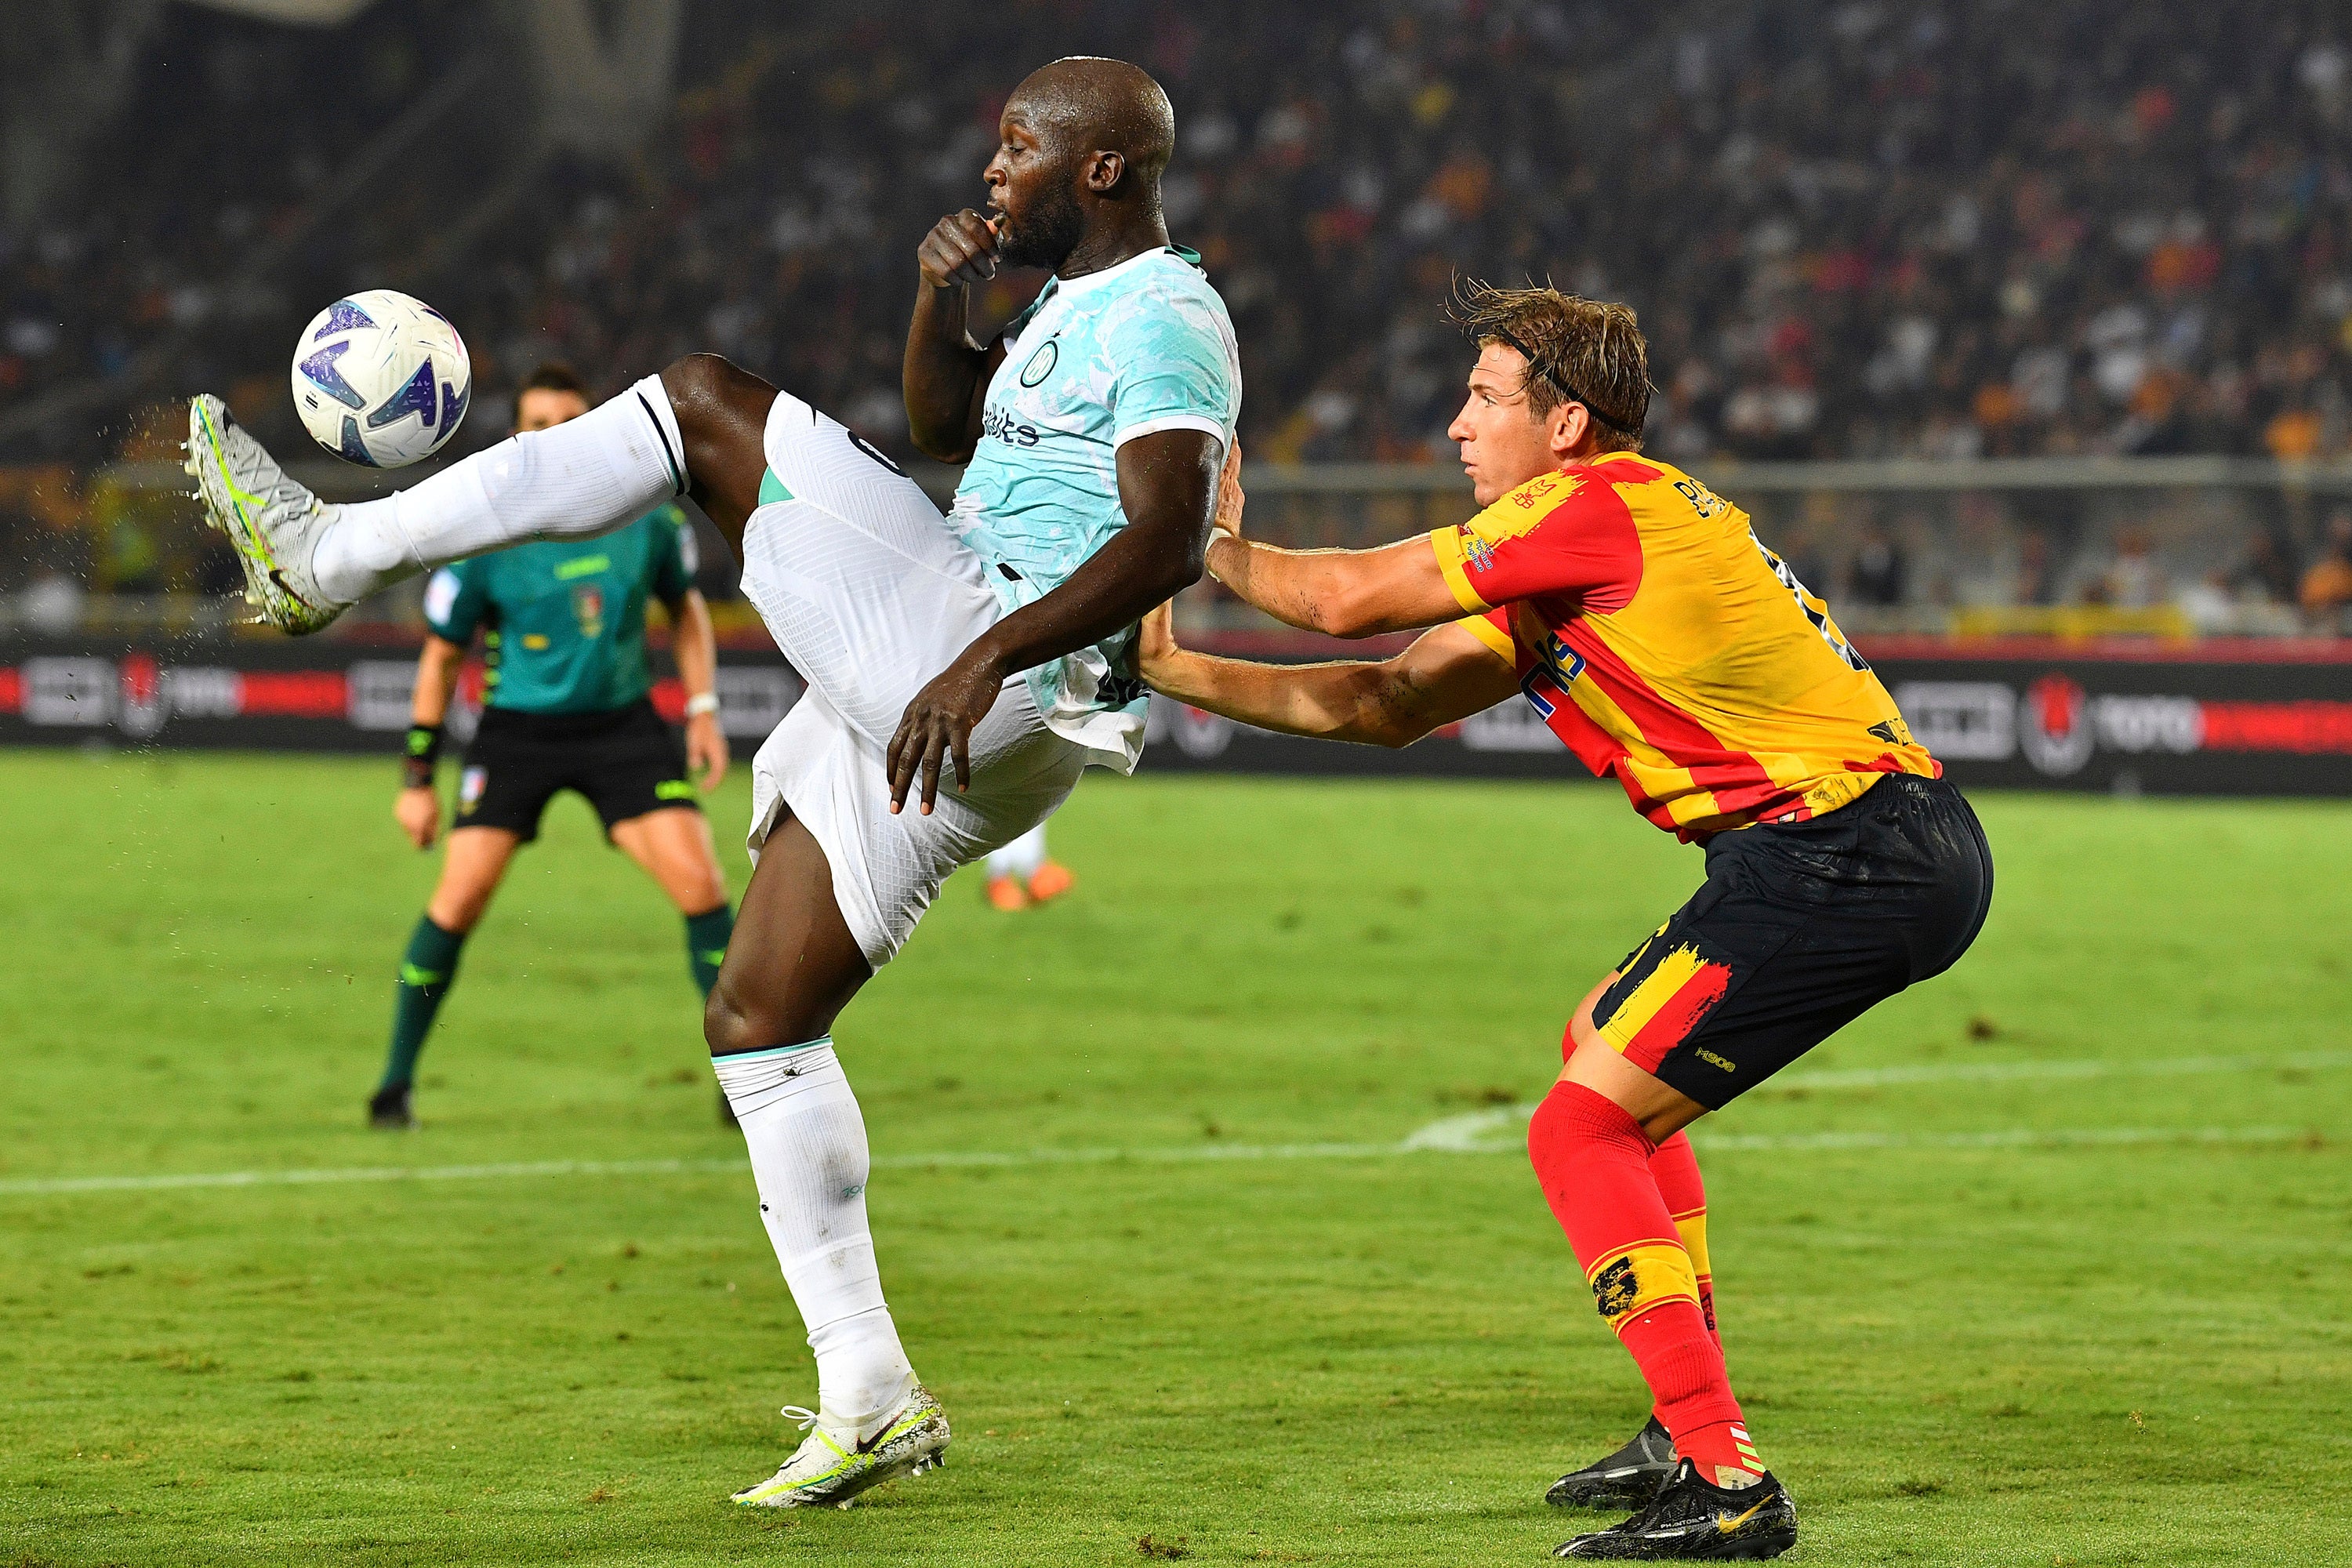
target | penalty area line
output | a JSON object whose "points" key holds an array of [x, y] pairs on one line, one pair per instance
{"points": [[1451, 1137]]}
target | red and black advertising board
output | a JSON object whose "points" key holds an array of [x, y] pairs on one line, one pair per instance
{"points": [[289, 696], [2239, 718], [2235, 718]]}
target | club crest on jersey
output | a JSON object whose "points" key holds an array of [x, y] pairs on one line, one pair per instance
{"points": [[1041, 364], [588, 609], [1536, 488]]}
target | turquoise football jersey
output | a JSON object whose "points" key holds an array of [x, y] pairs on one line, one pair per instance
{"points": [[1093, 362], [564, 620]]}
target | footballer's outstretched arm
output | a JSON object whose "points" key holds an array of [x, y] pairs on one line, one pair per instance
{"points": [[1447, 675], [1168, 488], [1397, 587]]}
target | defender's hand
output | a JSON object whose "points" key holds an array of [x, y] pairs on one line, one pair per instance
{"points": [[1155, 647], [1228, 517], [706, 750], [419, 812], [938, 725], [960, 250]]}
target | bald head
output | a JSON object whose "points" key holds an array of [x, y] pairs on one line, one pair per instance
{"points": [[1088, 104]]}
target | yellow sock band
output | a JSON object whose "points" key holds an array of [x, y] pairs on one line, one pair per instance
{"points": [[1633, 1279]]}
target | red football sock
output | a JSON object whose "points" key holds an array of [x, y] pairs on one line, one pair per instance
{"points": [[1594, 1161], [1675, 1168]]}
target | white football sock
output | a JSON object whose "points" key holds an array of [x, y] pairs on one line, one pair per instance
{"points": [[584, 477], [808, 1148], [1023, 858]]}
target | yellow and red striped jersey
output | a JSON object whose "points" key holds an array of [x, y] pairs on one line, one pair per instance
{"points": [[1664, 643]]}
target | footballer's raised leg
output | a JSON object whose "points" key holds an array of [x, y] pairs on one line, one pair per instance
{"points": [[307, 561]]}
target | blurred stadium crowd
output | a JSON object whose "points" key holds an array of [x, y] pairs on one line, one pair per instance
{"points": [[1852, 231]]}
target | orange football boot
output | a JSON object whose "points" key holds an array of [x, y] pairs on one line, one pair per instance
{"points": [[1052, 880], [1006, 893]]}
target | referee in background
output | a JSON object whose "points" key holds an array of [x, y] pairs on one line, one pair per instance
{"points": [[565, 707]]}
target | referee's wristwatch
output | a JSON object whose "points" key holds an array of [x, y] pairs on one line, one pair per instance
{"points": [[701, 703]]}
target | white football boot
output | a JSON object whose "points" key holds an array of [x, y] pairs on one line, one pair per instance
{"points": [[833, 1468], [273, 522]]}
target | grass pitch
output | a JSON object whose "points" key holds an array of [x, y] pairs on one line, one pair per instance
{"points": [[2044, 1263]]}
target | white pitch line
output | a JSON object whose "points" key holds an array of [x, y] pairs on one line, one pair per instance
{"points": [[1477, 1131], [2092, 1066], [337, 1175], [1442, 1138], [2014, 1138]]}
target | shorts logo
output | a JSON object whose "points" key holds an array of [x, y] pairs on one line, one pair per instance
{"points": [[1711, 1059], [1041, 364], [1615, 1288], [470, 785], [588, 609]]}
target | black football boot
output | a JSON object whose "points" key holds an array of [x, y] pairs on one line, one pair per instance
{"points": [[1695, 1520], [389, 1109], [1627, 1479]]}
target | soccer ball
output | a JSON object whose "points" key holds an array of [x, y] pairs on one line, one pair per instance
{"points": [[381, 379]]}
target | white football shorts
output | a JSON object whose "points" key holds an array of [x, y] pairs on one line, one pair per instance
{"points": [[870, 596]]}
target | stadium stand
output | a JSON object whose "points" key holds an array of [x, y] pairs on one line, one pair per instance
{"points": [[1854, 232]]}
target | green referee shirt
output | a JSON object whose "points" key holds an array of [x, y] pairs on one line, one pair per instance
{"points": [[564, 621]]}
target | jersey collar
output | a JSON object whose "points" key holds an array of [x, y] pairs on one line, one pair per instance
{"points": [[1059, 284]]}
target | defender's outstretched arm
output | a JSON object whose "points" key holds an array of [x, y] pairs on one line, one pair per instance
{"points": [[1447, 675], [1345, 593]]}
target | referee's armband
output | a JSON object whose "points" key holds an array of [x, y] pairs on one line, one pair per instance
{"points": [[418, 753]]}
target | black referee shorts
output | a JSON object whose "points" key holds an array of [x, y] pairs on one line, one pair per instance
{"points": [[1800, 929], [626, 761]]}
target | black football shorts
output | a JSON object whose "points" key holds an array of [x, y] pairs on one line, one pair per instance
{"points": [[1800, 929], [626, 761]]}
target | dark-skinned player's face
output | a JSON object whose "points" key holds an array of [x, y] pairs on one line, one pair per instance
{"points": [[1032, 192]]}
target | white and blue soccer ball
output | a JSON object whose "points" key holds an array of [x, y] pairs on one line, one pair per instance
{"points": [[381, 379]]}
